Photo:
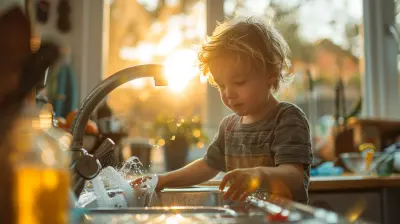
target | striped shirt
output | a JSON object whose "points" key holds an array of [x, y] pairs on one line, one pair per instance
{"points": [[283, 136]]}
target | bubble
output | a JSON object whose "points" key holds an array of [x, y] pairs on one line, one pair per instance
{"points": [[132, 169]]}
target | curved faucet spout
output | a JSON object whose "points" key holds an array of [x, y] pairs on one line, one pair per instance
{"points": [[85, 166], [104, 88]]}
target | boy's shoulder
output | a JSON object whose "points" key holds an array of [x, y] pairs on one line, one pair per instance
{"points": [[289, 112], [230, 120], [288, 109], [231, 117], [284, 111]]}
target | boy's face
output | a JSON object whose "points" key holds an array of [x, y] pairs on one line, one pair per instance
{"points": [[245, 94]]}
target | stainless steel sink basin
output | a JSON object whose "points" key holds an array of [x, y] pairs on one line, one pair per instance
{"points": [[199, 196], [191, 196], [164, 215], [183, 205], [166, 210], [203, 205]]}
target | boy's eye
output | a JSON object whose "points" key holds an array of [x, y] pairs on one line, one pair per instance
{"points": [[240, 83]]}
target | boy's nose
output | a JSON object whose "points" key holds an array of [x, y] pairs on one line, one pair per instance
{"points": [[230, 93]]}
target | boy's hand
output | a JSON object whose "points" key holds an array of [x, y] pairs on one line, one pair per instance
{"points": [[160, 184], [243, 182]]}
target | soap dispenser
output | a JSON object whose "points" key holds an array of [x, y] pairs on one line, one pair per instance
{"points": [[40, 163]]}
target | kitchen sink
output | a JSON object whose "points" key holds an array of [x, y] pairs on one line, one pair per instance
{"points": [[165, 215], [202, 205], [164, 210], [191, 196], [177, 205], [199, 196]]}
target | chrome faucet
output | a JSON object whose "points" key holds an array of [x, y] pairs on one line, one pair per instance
{"points": [[86, 166]]}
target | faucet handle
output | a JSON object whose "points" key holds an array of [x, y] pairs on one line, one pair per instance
{"points": [[87, 166], [106, 146]]}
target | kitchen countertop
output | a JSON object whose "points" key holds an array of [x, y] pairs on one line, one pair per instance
{"points": [[351, 181], [346, 181]]}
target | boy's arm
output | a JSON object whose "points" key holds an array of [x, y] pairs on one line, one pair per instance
{"points": [[283, 179], [194, 173], [293, 154], [202, 169]]}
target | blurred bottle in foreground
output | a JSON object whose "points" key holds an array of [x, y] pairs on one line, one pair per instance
{"points": [[40, 164]]}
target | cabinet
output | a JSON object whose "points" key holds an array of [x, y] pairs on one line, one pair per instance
{"points": [[375, 205]]}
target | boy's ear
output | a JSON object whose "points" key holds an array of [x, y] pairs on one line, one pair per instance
{"points": [[14, 47], [272, 81], [272, 78]]}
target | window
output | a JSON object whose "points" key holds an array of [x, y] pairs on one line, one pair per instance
{"points": [[164, 32]]}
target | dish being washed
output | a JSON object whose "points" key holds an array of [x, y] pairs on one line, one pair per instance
{"points": [[112, 188], [131, 170]]}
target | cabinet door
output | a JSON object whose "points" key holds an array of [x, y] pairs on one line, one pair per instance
{"points": [[390, 209], [366, 205]]}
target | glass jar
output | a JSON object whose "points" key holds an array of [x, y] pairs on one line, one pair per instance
{"points": [[41, 168]]}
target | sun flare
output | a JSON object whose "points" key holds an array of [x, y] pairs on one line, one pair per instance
{"points": [[180, 69]]}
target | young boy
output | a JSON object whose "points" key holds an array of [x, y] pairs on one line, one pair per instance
{"points": [[265, 144]]}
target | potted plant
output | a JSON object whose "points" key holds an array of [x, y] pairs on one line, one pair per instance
{"points": [[176, 135]]}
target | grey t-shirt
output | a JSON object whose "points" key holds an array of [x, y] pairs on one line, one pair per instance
{"points": [[283, 136]]}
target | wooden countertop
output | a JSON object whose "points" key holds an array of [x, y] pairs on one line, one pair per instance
{"points": [[349, 181], [346, 181]]}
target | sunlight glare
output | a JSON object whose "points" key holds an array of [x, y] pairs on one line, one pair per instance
{"points": [[143, 52], [138, 83], [172, 39], [180, 69]]}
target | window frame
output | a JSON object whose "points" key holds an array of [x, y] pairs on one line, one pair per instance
{"points": [[380, 81]]}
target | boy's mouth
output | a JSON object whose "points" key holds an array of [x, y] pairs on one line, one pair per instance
{"points": [[236, 105]]}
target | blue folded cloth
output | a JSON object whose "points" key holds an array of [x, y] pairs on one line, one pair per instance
{"points": [[326, 169], [62, 90]]}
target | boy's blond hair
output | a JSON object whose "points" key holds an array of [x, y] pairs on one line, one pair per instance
{"points": [[256, 46]]}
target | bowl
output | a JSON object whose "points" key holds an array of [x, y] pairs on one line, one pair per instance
{"points": [[355, 161]]}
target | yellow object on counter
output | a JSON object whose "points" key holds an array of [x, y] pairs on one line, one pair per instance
{"points": [[368, 160], [368, 149], [366, 146]]}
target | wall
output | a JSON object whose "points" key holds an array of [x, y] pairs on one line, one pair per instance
{"points": [[85, 40], [49, 29], [7, 3]]}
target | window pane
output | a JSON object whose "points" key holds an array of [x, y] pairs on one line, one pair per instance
{"points": [[164, 32], [397, 26]]}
